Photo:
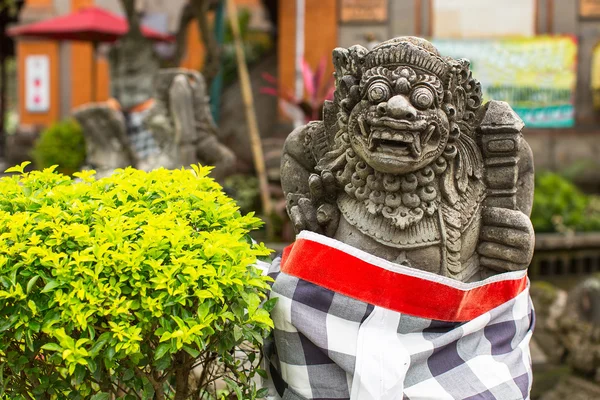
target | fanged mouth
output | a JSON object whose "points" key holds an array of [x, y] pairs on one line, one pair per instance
{"points": [[396, 142]]}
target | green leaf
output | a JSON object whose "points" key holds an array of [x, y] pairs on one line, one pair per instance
{"points": [[52, 347], [99, 344], [110, 353], [32, 306], [253, 302], [163, 363], [237, 333], [79, 375], [35, 326], [7, 323], [204, 309], [49, 286], [191, 351], [29, 340], [270, 304], [263, 317], [262, 373], [262, 393], [32, 282], [128, 374], [234, 386], [100, 396], [92, 366], [161, 350]]}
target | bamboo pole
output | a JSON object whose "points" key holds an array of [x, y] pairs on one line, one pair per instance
{"points": [[256, 145]]}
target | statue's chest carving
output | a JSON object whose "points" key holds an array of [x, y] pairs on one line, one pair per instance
{"points": [[426, 256], [425, 233], [442, 243]]}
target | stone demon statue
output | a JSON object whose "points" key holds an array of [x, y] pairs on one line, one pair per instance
{"points": [[410, 166]]}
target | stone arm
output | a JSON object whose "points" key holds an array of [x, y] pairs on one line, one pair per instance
{"points": [[507, 238], [310, 194], [296, 165], [106, 141]]}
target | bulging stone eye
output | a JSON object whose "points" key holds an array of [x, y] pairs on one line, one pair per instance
{"points": [[379, 91], [422, 97]]}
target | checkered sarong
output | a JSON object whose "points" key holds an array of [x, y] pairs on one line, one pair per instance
{"points": [[141, 138], [395, 333]]}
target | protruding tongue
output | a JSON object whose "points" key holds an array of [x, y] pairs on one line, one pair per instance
{"points": [[415, 146], [372, 143]]}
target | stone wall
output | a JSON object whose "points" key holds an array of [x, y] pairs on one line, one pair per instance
{"points": [[561, 150]]}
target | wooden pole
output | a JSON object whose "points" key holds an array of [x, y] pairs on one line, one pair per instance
{"points": [[259, 160]]}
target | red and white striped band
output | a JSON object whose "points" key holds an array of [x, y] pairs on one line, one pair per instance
{"points": [[352, 272]]}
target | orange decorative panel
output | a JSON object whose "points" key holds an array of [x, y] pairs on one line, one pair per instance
{"points": [[320, 36], [194, 53], [77, 4], [364, 10], [82, 57], [48, 48], [286, 51], [102, 80], [320, 32], [589, 8], [38, 3]]}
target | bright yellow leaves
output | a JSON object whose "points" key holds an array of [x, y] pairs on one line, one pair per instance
{"points": [[135, 266]]}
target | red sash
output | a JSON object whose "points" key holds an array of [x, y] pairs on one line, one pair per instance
{"points": [[336, 266]]}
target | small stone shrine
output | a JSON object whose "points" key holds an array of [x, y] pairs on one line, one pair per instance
{"points": [[156, 118]]}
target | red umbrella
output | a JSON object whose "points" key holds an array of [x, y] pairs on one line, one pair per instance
{"points": [[91, 24]]}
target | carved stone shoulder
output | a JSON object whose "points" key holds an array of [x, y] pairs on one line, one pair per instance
{"points": [[499, 116], [306, 144]]}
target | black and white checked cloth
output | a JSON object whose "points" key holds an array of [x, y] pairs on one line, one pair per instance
{"points": [[327, 345], [142, 141]]}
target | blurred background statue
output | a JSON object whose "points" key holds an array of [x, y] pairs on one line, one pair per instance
{"points": [[155, 118]]}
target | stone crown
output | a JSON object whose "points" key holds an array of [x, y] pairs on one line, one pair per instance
{"points": [[408, 50]]}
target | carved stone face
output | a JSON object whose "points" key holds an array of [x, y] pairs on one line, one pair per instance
{"points": [[133, 66], [399, 126]]}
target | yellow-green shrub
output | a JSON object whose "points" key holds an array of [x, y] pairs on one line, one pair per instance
{"points": [[120, 286]]}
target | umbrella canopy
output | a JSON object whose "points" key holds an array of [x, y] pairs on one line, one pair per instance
{"points": [[90, 24]]}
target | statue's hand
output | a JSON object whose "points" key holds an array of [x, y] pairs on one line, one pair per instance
{"points": [[506, 240], [316, 211]]}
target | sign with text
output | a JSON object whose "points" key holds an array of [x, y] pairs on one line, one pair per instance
{"points": [[536, 76], [37, 83], [589, 8], [363, 10]]}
